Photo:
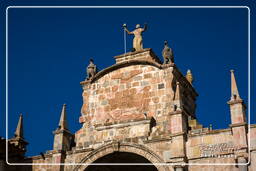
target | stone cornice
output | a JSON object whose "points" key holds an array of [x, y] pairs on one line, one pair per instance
{"points": [[237, 124], [235, 101], [125, 64], [210, 132], [158, 139], [124, 124], [252, 125], [59, 131]]}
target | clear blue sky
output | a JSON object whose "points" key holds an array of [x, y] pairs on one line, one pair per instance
{"points": [[49, 50]]}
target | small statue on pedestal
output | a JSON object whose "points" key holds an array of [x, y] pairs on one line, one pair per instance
{"points": [[91, 70], [167, 54]]}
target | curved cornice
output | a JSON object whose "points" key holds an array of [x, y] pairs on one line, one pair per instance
{"points": [[126, 64]]}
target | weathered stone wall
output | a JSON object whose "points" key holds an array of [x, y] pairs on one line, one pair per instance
{"points": [[127, 93], [252, 139], [210, 144], [130, 94], [209, 164]]}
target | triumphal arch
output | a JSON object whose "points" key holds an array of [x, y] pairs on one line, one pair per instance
{"points": [[142, 112]]}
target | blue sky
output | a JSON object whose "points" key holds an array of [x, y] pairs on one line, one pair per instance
{"points": [[49, 50]]}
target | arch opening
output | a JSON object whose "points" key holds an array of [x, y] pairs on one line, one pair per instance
{"points": [[122, 157]]}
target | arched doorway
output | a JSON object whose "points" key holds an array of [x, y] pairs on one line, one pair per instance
{"points": [[121, 157], [122, 148]]}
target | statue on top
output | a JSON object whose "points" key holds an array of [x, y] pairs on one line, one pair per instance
{"points": [[137, 40], [91, 70], [167, 54]]}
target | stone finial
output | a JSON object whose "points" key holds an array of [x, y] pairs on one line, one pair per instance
{"points": [[137, 40], [63, 125], [91, 70], [19, 130], [189, 76], [210, 127], [234, 89], [167, 54]]}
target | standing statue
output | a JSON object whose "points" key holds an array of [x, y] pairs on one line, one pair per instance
{"points": [[91, 70], [137, 40], [167, 54]]}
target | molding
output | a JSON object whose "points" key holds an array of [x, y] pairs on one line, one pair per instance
{"points": [[124, 124], [252, 125], [235, 101], [237, 124], [153, 140], [125, 64], [178, 134], [210, 132]]}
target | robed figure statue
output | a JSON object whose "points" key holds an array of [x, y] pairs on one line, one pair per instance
{"points": [[137, 40]]}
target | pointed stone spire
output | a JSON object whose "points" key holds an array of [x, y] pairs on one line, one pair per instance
{"points": [[177, 92], [238, 121], [189, 76], [63, 125], [177, 98], [62, 136], [19, 130], [18, 139], [234, 89]]}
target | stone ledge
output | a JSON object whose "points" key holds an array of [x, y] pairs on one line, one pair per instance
{"points": [[252, 125], [177, 134], [158, 139], [125, 64], [223, 155], [177, 159], [235, 101], [237, 124], [124, 124], [81, 150], [210, 132]]}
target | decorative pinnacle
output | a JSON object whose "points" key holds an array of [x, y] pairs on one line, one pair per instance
{"points": [[177, 100], [234, 89], [189, 76], [177, 93], [63, 125], [19, 130]]}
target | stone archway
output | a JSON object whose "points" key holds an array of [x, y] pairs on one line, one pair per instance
{"points": [[130, 149], [121, 157]]}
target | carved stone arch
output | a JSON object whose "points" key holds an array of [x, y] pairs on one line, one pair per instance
{"points": [[112, 147]]}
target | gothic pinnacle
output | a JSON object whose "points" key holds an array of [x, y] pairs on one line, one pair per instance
{"points": [[177, 92], [234, 89], [189, 76], [177, 98], [63, 121], [19, 129]]}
